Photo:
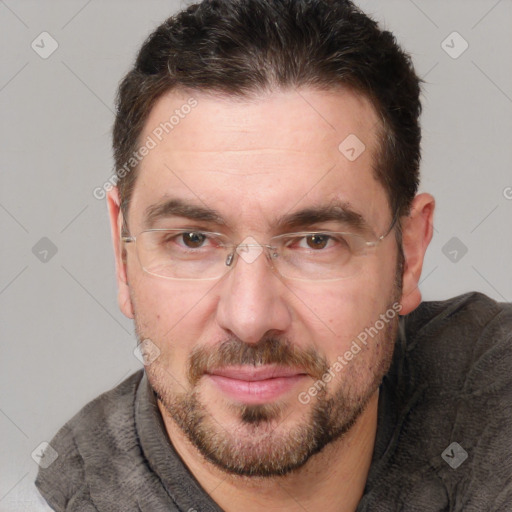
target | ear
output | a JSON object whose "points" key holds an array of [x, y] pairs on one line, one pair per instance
{"points": [[116, 224], [417, 230]]}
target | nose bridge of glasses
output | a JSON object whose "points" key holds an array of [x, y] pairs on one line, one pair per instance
{"points": [[249, 250]]}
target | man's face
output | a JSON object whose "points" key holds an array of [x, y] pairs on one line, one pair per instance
{"points": [[239, 355]]}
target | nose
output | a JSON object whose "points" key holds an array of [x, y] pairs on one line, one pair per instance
{"points": [[252, 297]]}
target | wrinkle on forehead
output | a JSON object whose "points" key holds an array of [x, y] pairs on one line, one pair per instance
{"points": [[221, 123], [265, 156]]}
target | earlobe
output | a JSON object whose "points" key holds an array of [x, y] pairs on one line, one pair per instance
{"points": [[116, 225], [417, 230]]}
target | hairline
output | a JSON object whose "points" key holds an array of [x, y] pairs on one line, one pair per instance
{"points": [[254, 94]]}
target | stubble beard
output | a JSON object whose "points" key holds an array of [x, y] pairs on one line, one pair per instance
{"points": [[256, 443], [257, 446]]}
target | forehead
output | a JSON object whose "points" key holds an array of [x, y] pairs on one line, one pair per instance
{"points": [[253, 158]]}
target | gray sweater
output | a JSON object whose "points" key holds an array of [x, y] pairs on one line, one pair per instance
{"points": [[450, 382]]}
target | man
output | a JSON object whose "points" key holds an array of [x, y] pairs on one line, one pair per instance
{"points": [[269, 242]]}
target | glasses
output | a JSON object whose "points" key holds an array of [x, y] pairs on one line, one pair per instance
{"points": [[190, 254]]}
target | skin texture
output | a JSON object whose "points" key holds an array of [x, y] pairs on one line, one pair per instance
{"points": [[254, 161]]}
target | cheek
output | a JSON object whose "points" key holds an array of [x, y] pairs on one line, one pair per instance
{"points": [[336, 313], [169, 302], [173, 315]]}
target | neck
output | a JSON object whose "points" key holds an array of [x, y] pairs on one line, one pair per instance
{"points": [[332, 480]]}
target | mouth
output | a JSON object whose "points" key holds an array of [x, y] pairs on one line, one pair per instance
{"points": [[256, 384]]}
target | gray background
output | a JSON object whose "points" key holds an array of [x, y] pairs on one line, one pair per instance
{"points": [[63, 339]]}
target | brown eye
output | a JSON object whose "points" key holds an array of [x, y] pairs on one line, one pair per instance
{"points": [[193, 239], [317, 241]]}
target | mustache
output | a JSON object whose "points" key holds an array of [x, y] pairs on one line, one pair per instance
{"points": [[269, 350]]}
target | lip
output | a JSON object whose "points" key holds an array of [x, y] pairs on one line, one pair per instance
{"points": [[256, 384]]}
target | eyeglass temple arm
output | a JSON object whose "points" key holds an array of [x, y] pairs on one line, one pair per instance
{"points": [[396, 216]]}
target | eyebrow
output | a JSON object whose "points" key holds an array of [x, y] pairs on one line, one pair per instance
{"points": [[338, 211], [180, 208]]}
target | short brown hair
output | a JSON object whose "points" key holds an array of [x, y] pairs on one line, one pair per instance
{"points": [[241, 47]]}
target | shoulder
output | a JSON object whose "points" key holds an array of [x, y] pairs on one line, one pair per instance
{"points": [[470, 309], [464, 342], [455, 384], [102, 427]]}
